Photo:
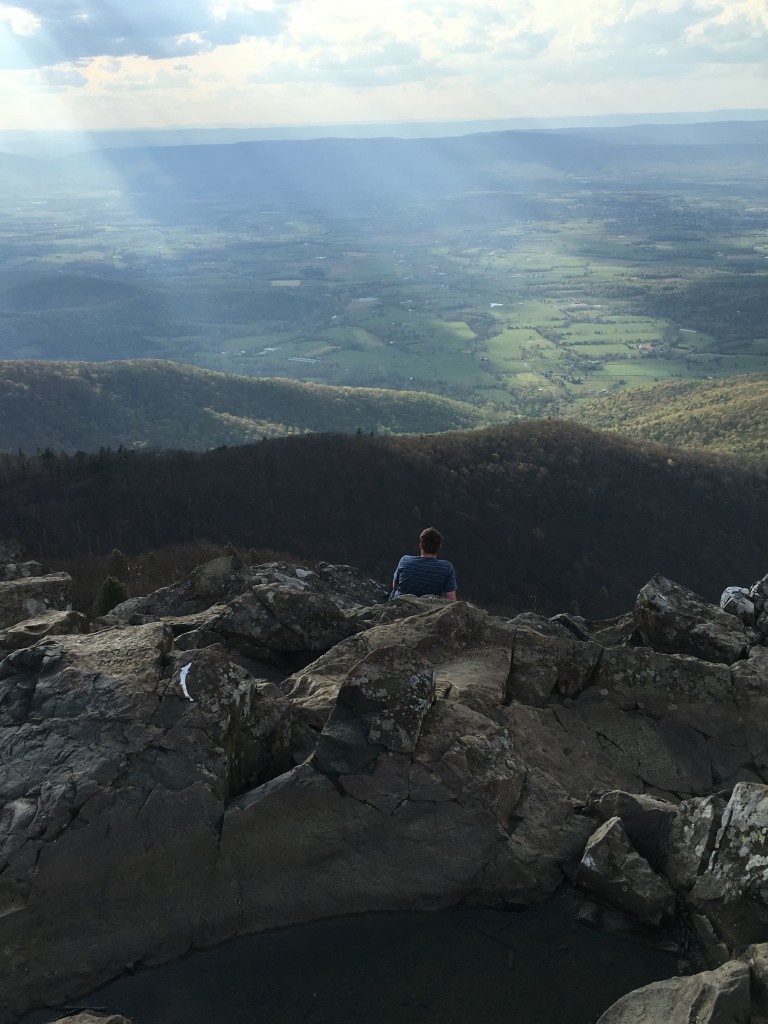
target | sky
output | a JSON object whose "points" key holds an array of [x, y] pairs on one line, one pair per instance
{"points": [[114, 64]]}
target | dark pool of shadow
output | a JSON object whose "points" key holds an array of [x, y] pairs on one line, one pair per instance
{"points": [[469, 966]]}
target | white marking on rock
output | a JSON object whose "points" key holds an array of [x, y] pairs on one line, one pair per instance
{"points": [[183, 681]]}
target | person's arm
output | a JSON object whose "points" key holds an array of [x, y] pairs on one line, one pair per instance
{"points": [[450, 584], [395, 577]]}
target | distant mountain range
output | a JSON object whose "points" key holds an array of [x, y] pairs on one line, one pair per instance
{"points": [[726, 415], [58, 143], [157, 404], [490, 160]]}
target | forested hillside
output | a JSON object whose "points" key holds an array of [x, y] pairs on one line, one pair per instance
{"points": [[157, 404], [728, 415], [543, 514]]}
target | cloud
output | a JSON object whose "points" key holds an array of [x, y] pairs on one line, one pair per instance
{"points": [[267, 61], [60, 31], [63, 78]]}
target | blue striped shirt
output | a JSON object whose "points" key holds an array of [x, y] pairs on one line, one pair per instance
{"points": [[420, 576]]}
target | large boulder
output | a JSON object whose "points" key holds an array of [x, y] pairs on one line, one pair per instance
{"points": [[380, 707], [223, 579], [28, 632], [674, 620], [712, 997], [732, 888], [116, 762], [737, 601], [259, 611], [545, 666], [280, 618], [692, 836], [439, 632], [757, 958], [91, 1017], [213, 583], [647, 821], [20, 570], [30, 597], [613, 870]]}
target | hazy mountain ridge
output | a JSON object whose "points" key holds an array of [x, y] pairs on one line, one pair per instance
{"points": [[541, 513], [728, 415], [158, 404], [46, 144], [485, 160]]}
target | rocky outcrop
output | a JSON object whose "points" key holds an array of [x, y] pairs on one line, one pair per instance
{"points": [[220, 581], [27, 598], [431, 754], [30, 631], [749, 604], [613, 870], [672, 619], [26, 593], [713, 997], [87, 1017], [757, 959], [20, 570], [731, 887], [259, 611]]}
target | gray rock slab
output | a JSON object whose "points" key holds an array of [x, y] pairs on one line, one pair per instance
{"points": [[646, 820], [691, 840], [613, 870], [544, 666], [756, 956], [53, 623], [660, 683], [22, 599], [280, 618], [88, 1017], [674, 620], [380, 706], [21, 570], [113, 783], [712, 997], [732, 889], [439, 634]]}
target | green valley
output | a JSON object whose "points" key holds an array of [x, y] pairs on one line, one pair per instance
{"points": [[521, 285]]}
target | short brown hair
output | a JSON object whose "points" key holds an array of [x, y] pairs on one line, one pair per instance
{"points": [[431, 540]]}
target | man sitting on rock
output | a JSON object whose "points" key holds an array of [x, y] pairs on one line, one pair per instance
{"points": [[425, 573]]}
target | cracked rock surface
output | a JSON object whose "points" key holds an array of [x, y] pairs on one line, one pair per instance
{"points": [[156, 793]]}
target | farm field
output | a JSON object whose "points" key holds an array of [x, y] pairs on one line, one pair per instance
{"points": [[524, 303]]}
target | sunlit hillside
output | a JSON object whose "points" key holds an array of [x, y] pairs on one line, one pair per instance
{"points": [[156, 404], [728, 415]]}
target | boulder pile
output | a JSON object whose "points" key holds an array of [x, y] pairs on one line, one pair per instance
{"points": [[33, 603], [259, 746]]}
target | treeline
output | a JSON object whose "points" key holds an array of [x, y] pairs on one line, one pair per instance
{"points": [[550, 514], [158, 404], [732, 308], [727, 415]]}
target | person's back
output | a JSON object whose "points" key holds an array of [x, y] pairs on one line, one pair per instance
{"points": [[425, 573]]}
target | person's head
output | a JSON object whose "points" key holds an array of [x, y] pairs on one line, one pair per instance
{"points": [[430, 540]]}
